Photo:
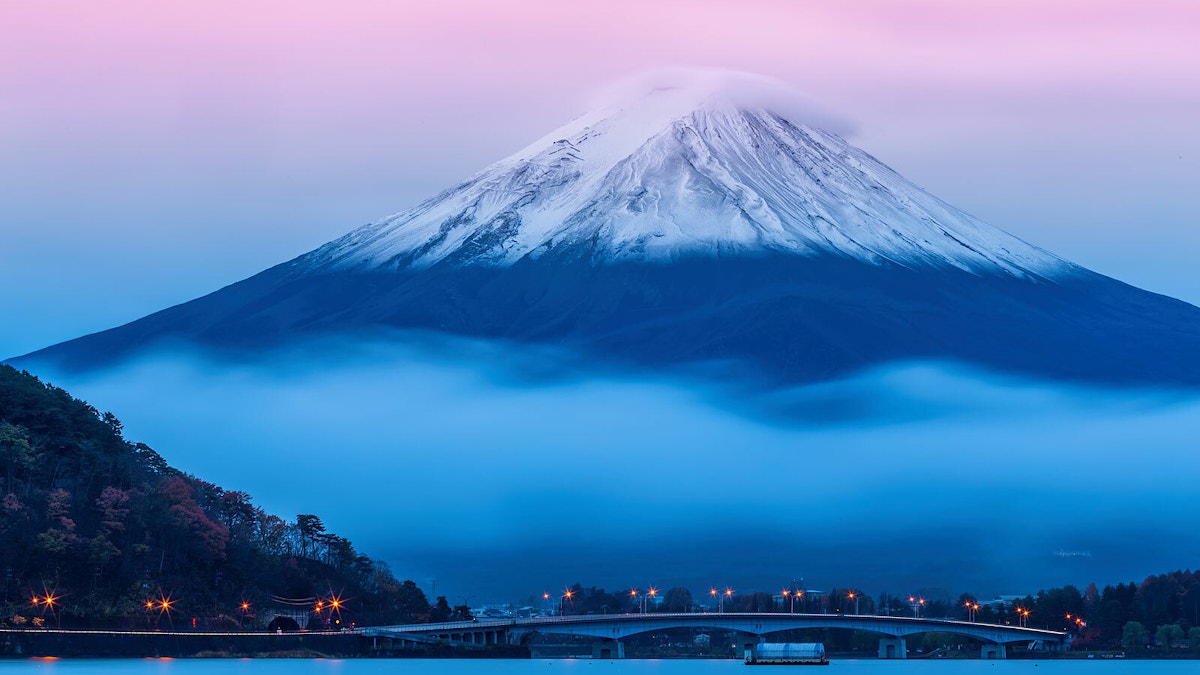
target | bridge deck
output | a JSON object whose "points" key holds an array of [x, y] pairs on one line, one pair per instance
{"points": [[618, 626]]}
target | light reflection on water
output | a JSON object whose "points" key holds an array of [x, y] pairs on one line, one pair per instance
{"points": [[565, 667]]}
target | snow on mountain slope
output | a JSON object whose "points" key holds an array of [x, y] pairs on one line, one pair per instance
{"points": [[706, 166], [712, 224]]}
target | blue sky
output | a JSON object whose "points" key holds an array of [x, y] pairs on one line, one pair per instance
{"points": [[153, 153]]}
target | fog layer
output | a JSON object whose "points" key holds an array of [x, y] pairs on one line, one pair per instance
{"points": [[450, 467]]}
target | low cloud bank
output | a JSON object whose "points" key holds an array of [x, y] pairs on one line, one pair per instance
{"points": [[446, 464]]}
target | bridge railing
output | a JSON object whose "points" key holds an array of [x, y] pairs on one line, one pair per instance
{"points": [[532, 622]]}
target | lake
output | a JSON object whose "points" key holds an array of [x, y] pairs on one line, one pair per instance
{"points": [[569, 667]]}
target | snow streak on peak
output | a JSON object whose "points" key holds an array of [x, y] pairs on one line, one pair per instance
{"points": [[709, 164]]}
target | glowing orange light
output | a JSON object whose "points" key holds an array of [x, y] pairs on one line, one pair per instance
{"points": [[728, 591], [785, 594], [633, 593], [245, 606], [653, 592], [545, 596], [149, 604], [712, 592]]}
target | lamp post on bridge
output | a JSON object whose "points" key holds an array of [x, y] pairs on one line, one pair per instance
{"points": [[720, 598], [917, 604], [972, 610], [651, 592], [1024, 614], [567, 595], [791, 595], [854, 595]]}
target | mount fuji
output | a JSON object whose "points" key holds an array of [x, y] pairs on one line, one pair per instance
{"points": [[709, 221]]}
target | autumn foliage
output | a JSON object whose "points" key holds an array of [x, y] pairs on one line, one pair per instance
{"points": [[106, 524]]}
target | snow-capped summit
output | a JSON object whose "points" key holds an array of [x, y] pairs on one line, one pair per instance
{"points": [[700, 220], [691, 164]]}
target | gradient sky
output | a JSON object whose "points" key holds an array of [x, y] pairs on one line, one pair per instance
{"points": [[151, 152]]}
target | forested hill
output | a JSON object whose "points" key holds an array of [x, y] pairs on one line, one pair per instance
{"points": [[104, 526]]}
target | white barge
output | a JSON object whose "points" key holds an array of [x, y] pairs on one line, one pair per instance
{"points": [[787, 654]]}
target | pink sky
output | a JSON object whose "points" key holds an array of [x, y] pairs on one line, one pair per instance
{"points": [[199, 142]]}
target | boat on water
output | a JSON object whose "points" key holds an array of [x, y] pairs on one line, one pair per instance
{"points": [[787, 654]]}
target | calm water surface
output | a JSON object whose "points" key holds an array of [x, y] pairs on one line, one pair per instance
{"points": [[575, 667]]}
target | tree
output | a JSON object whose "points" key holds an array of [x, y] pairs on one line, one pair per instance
{"points": [[61, 533], [310, 527], [1194, 639], [1168, 634], [677, 600], [1133, 637], [16, 454], [411, 601], [461, 613], [440, 612]]}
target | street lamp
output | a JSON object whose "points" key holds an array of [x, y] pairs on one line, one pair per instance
{"points": [[972, 610], [916, 604], [1024, 614], [567, 595], [48, 600], [854, 596], [652, 593], [164, 605], [792, 598]]}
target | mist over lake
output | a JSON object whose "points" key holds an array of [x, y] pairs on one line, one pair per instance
{"points": [[456, 465]]}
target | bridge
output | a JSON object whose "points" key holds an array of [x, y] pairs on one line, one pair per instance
{"points": [[609, 630]]}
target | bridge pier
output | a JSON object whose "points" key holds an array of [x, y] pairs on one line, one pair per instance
{"points": [[993, 652], [892, 648], [743, 644], [608, 649]]}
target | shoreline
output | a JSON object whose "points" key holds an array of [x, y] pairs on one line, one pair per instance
{"points": [[100, 644]]}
